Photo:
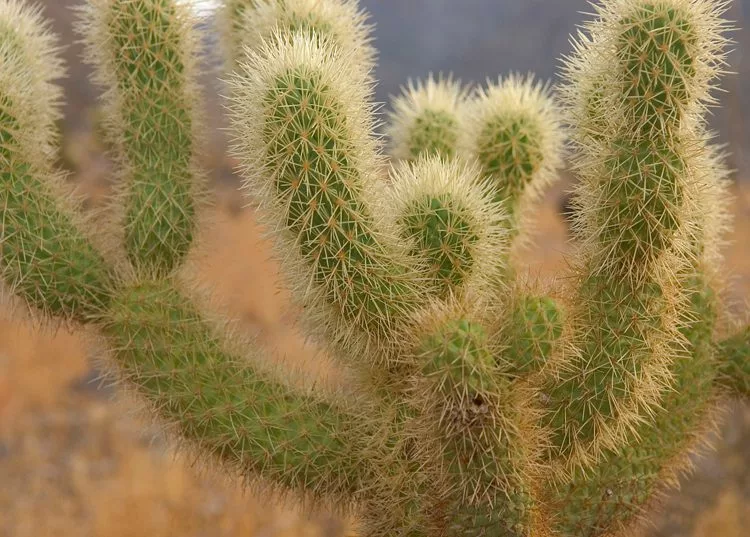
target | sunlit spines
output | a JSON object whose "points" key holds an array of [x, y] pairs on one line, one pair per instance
{"points": [[630, 203], [47, 256], [660, 68], [31, 64], [634, 474], [648, 461], [425, 119], [513, 129], [341, 22], [711, 215], [629, 369], [302, 126], [713, 222], [145, 53], [449, 217], [620, 342], [636, 209], [668, 53], [635, 105]]}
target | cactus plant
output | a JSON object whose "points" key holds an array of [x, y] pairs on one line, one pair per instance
{"points": [[479, 406]]}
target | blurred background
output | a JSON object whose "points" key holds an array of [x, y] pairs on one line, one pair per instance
{"points": [[75, 461]]}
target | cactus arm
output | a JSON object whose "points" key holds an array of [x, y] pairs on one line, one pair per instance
{"points": [[616, 492], [340, 21], [144, 54], [447, 214], [180, 364], [513, 130], [635, 205], [46, 259], [44, 256], [475, 425], [456, 464], [425, 120], [733, 355], [161, 344], [302, 136]]}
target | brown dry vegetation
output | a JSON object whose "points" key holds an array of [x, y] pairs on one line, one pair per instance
{"points": [[75, 462]]}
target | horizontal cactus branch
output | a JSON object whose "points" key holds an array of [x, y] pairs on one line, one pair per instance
{"points": [[480, 406], [180, 364]]}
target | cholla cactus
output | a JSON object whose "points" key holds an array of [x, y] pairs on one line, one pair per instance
{"points": [[479, 407]]}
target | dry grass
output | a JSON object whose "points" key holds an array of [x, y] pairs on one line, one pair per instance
{"points": [[74, 463]]}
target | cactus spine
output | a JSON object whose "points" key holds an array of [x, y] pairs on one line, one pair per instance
{"points": [[482, 407]]}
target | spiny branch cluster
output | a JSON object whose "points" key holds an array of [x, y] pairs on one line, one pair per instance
{"points": [[479, 405]]}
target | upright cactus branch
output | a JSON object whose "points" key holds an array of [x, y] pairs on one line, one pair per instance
{"points": [[247, 24], [426, 119], [512, 130], [634, 215], [303, 125], [162, 344], [476, 424], [479, 407], [46, 258], [449, 217], [144, 56]]}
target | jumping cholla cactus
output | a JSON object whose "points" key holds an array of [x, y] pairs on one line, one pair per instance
{"points": [[479, 405]]}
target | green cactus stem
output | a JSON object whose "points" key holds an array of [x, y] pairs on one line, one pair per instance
{"points": [[183, 367], [144, 55], [45, 256], [447, 214]]}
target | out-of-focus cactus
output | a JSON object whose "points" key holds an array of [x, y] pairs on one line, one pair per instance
{"points": [[481, 406]]}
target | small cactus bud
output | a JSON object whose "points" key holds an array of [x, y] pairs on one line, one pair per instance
{"points": [[447, 213], [426, 119]]}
